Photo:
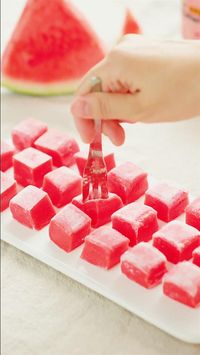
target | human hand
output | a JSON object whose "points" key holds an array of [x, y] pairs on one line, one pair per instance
{"points": [[143, 80]]}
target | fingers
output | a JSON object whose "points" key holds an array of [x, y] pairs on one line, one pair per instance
{"points": [[85, 128], [107, 106]]}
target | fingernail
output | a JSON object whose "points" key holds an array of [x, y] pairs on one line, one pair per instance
{"points": [[80, 107]]}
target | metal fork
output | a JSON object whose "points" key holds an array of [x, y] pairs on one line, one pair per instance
{"points": [[95, 173]]}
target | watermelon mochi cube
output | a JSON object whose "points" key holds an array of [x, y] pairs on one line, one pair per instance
{"points": [[69, 227], [192, 212], [6, 156], [196, 256], [59, 145], [81, 159], [99, 210], [32, 207], [176, 240], [8, 190], [30, 166], [169, 201], [136, 221], [26, 132], [62, 184], [182, 283], [104, 246], [144, 264], [128, 181]]}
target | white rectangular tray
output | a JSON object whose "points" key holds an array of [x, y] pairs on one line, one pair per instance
{"points": [[174, 318]]}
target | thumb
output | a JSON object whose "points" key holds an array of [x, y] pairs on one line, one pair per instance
{"points": [[106, 106]]}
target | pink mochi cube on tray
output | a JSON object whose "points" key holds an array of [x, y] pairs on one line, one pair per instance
{"points": [[104, 247], [62, 185], [6, 156], [196, 256], [8, 190], [81, 159], [26, 132], [128, 181], [182, 283], [169, 201], [176, 240], [69, 227], [192, 213], [99, 210], [32, 207], [136, 221], [59, 145], [144, 264], [30, 166]]}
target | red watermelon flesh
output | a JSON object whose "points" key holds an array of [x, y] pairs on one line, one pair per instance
{"points": [[130, 24], [51, 48]]}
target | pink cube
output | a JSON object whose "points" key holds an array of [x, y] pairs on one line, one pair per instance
{"points": [[144, 264], [81, 158], [104, 247], [62, 185], [128, 181], [196, 256], [193, 213], [182, 283], [8, 190], [136, 221], [99, 210], [26, 132], [167, 200], [59, 145], [176, 240], [30, 166], [69, 228], [32, 207], [6, 156]]}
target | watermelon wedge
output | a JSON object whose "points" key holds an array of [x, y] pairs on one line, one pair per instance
{"points": [[130, 24], [50, 50]]}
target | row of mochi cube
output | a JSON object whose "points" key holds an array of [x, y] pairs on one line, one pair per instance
{"points": [[105, 246]]}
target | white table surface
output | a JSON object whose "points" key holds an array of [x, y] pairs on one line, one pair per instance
{"points": [[46, 313]]}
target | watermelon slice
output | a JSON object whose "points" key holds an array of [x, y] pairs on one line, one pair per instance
{"points": [[51, 48], [130, 24]]}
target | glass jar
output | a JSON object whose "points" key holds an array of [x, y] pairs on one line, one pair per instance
{"points": [[191, 19]]}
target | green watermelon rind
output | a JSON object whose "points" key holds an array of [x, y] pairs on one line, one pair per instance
{"points": [[40, 89]]}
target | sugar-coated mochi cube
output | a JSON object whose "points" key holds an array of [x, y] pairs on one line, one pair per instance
{"points": [[182, 283], [192, 213], [30, 166], [6, 156], [8, 190], [136, 221], [169, 201], [196, 256], [144, 264], [104, 247], [69, 227], [32, 207], [176, 240], [81, 159], [26, 132], [128, 181], [59, 145], [62, 185], [99, 210]]}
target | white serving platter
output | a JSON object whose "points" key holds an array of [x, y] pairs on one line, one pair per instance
{"points": [[172, 317]]}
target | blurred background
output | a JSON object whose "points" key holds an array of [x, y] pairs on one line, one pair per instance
{"points": [[157, 17]]}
